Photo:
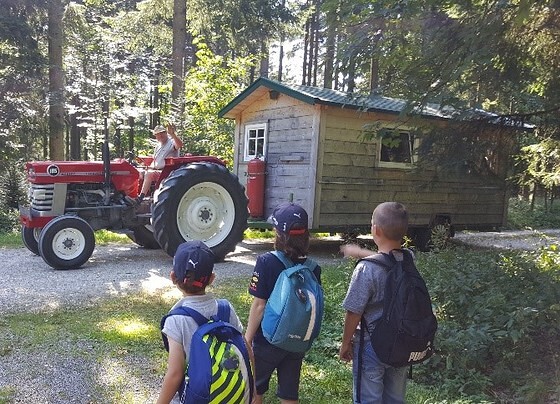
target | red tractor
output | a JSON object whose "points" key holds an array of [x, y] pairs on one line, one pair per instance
{"points": [[195, 198]]}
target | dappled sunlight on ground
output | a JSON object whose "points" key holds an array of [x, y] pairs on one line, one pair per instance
{"points": [[155, 282], [124, 382]]}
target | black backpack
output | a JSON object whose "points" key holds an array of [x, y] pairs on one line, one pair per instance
{"points": [[404, 335]]}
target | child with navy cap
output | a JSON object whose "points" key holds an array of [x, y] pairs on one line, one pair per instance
{"points": [[193, 271], [290, 222]]}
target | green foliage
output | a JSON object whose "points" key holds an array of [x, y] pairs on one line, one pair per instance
{"points": [[522, 216], [9, 221], [241, 25], [11, 239], [12, 183], [489, 332], [208, 88], [11, 194], [542, 164], [106, 236], [258, 233], [487, 328]]}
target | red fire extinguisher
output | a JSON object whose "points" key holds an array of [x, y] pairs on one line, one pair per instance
{"points": [[256, 171]]}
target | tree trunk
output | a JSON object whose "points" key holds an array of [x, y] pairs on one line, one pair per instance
{"points": [[311, 48], [75, 146], [306, 59], [351, 82], [56, 80], [264, 62], [330, 49], [131, 129], [154, 101], [374, 75], [315, 44], [178, 56]]}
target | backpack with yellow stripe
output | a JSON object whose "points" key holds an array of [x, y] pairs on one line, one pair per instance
{"points": [[219, 369]]}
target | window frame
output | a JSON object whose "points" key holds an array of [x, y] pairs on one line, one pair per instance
{"points": [[413, 147], [256, 127]]}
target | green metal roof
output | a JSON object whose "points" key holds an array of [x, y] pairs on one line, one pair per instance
{"points": [[326, 96]]}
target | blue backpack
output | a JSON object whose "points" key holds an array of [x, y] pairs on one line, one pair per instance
{"points": [[294, 311], [219, 368]]}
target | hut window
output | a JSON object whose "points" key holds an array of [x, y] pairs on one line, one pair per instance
{"points": [[397, 149], [255, 141]]}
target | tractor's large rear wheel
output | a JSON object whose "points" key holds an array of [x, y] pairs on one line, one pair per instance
{"points": [[144, 237], [66, 242], [30, 237], [201, 201]]}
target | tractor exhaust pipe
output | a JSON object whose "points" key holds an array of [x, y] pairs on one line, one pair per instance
{"points": [[106, 172]]}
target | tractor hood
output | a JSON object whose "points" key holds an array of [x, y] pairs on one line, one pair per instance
{"points": [[124, 175]]}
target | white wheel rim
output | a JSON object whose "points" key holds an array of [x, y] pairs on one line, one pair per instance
{"points": [[68, 243], [37, 233], [206, 212]]}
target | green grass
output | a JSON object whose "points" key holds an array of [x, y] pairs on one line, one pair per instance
{"points": [[258, 234], [106, 236], [11, 240], [487, 328], [129, 327]]}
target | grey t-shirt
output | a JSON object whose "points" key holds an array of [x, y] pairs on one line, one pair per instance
{"points": [[162, 151], [366, 291], [181, 328]]}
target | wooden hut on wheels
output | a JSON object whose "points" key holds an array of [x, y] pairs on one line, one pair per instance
{"points": [[311, 143]]}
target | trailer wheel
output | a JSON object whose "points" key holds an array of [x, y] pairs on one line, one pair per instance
{"points": [[144, 237], [434, 237], [30, 238], [441, 234], [201, 201], [66, 242]]}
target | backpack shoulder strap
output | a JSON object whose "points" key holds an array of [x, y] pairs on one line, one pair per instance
{"points": [[181, 311], [223, 311], [187, 311], [283, 258], [385, 260], [309, 263]]}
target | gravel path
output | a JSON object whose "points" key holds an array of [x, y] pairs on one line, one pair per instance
{"points": [[510, 240], [72, 372], [30, 285]]}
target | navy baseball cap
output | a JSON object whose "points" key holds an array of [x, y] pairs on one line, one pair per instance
{"points": [[286, 216], [194, 257]]}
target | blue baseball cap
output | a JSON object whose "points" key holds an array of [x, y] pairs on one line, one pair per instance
{"points": [[288, 215], [194, 257]]}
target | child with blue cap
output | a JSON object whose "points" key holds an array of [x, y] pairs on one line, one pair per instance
{"points": [[193, 271]]}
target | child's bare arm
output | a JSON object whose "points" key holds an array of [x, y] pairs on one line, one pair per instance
{"points": [[175, 372], [351, 322], [255, 317], [355, 251]]}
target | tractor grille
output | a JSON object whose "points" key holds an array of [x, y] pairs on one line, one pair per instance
{"points": [[41, 197]]}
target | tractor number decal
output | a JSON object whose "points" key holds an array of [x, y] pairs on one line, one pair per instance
{"points": [[53, 170]]}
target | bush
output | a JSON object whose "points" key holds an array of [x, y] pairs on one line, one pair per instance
{"points": [[12, 187], [520, 215], [9, 220], [11, 195], [494, 311]]}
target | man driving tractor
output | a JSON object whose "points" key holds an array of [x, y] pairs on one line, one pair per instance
{"points": [[168, 145]]}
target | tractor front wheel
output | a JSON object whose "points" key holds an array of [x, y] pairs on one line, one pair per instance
{"points": [[30, 238], [201, 201], [66, 242]]}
